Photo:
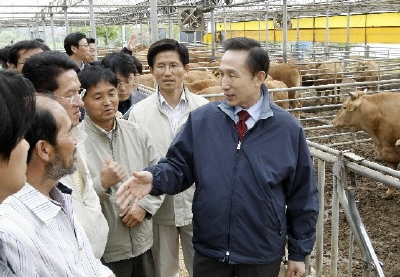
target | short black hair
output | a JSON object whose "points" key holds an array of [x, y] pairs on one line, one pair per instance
{"points": [[138, 64], [167, 45], [14, 54], [4, 56], [72, 39], [92, 75], [44, 68], [91, 40], [43, 43], [44, 127], [257, 58], [17, 106], [120, 63]]}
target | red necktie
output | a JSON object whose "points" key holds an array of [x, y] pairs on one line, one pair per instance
{"points": [[241, 125]]}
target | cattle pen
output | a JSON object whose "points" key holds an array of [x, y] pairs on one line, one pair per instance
{"points": [[345, 167]]}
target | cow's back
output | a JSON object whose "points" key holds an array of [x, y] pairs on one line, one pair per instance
{"points": [[289, 74], [329, 72]]}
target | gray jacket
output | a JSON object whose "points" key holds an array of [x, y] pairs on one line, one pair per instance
{"points": [[167, 210], [132, 148]]}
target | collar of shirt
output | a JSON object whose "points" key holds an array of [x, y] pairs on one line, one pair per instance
{"points": [[164, 104], [109, 133], [254, 112], [43, 207], [174, 115]]}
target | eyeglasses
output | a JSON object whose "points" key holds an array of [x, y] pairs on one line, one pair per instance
{"points": [[84, 45], [173, 67], [127, 82], [72, 99]]}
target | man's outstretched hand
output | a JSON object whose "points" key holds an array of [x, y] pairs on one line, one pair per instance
{"points": [[134, 189]]}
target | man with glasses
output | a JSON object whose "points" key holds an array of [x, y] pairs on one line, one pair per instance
{"points": [[77, 48], [21, 51], [52, 72], [163, 115], [128, 75], [93, 52]]}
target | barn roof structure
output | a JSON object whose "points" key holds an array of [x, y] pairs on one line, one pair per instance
{"points": [[23, 13]]}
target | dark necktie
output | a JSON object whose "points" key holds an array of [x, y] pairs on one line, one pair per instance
{"points": [[241, 125]]}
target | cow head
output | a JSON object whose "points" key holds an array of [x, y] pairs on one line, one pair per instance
{"points": [[357, 93], [313, 68], [361, 66], [349, 116]]}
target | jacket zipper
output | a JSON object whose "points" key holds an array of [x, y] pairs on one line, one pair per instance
{"points": [[110, 141], [226, 258]]}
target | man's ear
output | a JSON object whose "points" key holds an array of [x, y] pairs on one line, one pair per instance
{"points": [[187, 68], [151, 70], [44, 150], [74, 49], [260, 77]]}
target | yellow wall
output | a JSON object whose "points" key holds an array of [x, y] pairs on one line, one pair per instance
{"points": [[364, 28]]}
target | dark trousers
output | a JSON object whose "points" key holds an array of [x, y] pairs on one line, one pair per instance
{"points": [[210, 267], [142, 265]]}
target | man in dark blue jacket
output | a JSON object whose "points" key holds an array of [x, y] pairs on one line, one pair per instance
{"points": [[254, 191]]}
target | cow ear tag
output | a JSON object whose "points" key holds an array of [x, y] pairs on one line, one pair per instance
{"points": [[351, 108]]}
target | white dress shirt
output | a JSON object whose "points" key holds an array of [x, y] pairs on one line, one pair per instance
{"points": [[174, 115]]}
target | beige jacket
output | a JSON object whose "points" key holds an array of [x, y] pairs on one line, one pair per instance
{"points": [[166, 210], [132, 148], [87, 207]]}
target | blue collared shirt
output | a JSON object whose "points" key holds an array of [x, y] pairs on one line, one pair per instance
{"points": [[254, 112]]}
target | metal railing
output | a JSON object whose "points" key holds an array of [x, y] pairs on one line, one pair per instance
{"points": [[345, 166]]}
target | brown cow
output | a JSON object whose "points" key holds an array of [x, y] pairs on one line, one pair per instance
{"points": [[367, 71], [141, 47], [196, 75], [212, 90], [278, 95], [290, 75], [326, 73], [201, 84], [147, 80], [377, 115], [303, 67]]}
